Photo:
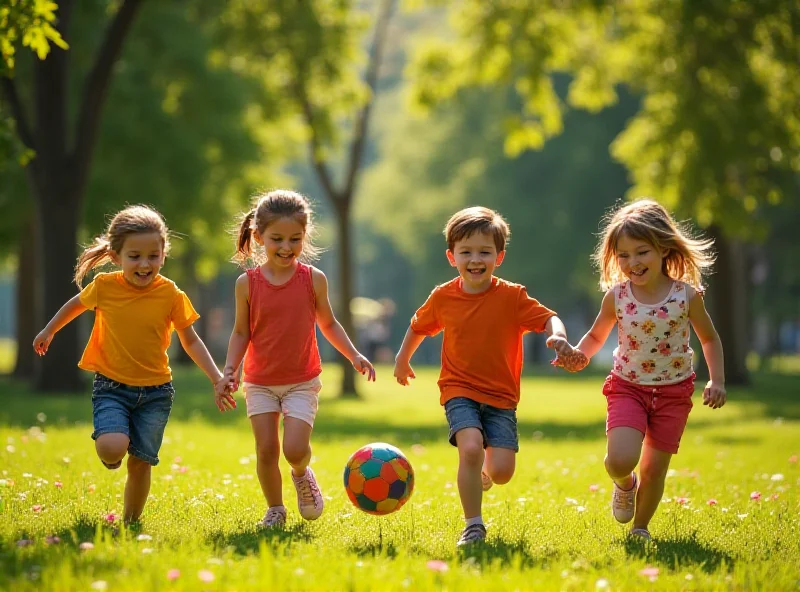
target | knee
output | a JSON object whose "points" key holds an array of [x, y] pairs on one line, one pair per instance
{"points": [[296, 454], [619, 465], [501, 475], [267, 452], [652, 473], [111, 447], [471, 452]]}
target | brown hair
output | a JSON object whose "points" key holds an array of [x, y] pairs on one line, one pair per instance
{"points": [[132, 220], [272, 206], [468, 221], [687, 259]]}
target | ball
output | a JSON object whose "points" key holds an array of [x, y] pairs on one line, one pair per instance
{"points": [[378, 479]]}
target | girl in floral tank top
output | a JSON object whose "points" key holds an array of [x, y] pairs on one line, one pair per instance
{"points": [[279, 305], [652, 271]]}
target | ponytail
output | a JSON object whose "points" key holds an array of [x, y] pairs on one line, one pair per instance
{"points": [[98, 253], [244, 242]]}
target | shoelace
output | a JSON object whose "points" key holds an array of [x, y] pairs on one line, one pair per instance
{"points": [[307, 491], [472, 533], [623, 498], [273, 514]]}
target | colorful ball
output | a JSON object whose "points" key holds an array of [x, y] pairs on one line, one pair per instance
{"points": [[378, 479]]}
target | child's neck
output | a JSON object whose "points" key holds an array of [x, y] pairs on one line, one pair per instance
{"points": [[653, 291], [469, 288], [278, 274]]}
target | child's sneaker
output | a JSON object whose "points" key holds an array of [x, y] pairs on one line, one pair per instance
{"points": [[486, 481], [309, 497], [275, 517], [623, 501], [641, 533], [472, 534]]}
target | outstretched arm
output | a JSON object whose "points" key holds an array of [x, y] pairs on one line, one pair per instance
{"points": [[402, 361], [71, 310], [197, 350], [714, 394], [333, 330]]}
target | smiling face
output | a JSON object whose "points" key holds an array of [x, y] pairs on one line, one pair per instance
{"points": [[475, 257], [283, 242], [640, 261], [141, 258]]}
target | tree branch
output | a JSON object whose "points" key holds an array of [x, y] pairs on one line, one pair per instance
{"points": [[362, 120], [94, 91], [323, 172], [17, 112]]}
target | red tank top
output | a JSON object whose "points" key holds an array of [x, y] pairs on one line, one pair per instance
{"points": [[283, 337]]}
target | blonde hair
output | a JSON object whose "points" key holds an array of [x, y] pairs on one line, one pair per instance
{"points": [[688, 259], [464, 223], [270, 207], [137, 219]]}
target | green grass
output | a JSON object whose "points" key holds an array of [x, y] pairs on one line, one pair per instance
{"points": [[547, 528]]}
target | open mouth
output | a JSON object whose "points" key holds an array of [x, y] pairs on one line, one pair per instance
{"points": [[143, 275], [638, 272], [476, 272], [286, 257]]}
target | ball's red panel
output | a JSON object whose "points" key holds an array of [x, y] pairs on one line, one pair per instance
{"points": [[388, 473], [376, 489]]}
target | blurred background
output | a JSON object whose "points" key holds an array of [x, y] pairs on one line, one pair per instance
{"points": [[391, 115]]}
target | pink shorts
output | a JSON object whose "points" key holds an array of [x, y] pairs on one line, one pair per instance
{"points": [[659, 412]]}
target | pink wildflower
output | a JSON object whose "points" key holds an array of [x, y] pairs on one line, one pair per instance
{"points": [[755, 496], [594, 487], [37, 508], [205, 575], [437, 565], [712, 502], [173, 574], [58, 484]]}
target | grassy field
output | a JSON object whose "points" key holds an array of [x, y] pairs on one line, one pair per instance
{"points": [[550, 528]]}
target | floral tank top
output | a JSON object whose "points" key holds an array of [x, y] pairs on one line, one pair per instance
{"points": [[653, 343]]}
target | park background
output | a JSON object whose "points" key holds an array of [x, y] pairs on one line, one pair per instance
{"points": [[390, 116]]}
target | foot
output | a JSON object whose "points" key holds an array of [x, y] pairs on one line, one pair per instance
{"points": [[472, 534], [486, 481], [623, 501], [641, 533], [309, 497], [275, 517]]}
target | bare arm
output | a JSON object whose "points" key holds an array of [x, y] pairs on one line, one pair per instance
{"points": [[240, 336], [333, 330], [714, 394], [402, 361], [601, 329], [67, 313], [197, 350]]}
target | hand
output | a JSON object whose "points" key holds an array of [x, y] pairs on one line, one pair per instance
{"points": [[363, 365], [714, 395], [574, 361], [42, 342], [222, 394], [232, 376], [402, 372], [559, 343]]}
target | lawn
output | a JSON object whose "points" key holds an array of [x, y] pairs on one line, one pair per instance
{"points": [[730, 517]]}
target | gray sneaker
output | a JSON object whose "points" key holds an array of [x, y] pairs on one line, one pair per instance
{"points": [[472, 534], [309, 497], [623, 501], [275, 517], [641, 533]]}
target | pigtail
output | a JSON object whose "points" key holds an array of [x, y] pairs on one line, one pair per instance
{"points": [[98, 253], [244, 249]]}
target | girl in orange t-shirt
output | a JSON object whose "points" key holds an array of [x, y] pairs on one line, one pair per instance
{"points": [[136, 310], [279, 304]]}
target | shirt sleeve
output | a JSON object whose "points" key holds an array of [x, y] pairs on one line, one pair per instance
{"points": [[88, 295], [425, 320], [532, 316], [183, 313]]}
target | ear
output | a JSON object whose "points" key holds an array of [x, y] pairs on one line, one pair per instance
{"points": [[500, 256], [451, 258]]}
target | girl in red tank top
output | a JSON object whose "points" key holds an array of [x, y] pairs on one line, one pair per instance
{"points": [[279, 305]]}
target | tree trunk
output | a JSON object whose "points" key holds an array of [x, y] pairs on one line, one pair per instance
{"points": [[344, 315], [26, 305], [729, 296]]}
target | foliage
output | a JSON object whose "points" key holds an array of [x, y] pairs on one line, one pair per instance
{"points": [[30, 23], [549, 528]]}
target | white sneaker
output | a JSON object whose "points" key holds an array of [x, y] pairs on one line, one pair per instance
{"points": [[472, 534], [309, 497], [623, 501], [275, 517]]}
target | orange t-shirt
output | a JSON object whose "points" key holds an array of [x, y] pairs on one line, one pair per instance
{"points": [[482, 347], [133, 327]]}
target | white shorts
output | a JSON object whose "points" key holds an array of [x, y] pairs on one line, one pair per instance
{"points": [[299, 400]]}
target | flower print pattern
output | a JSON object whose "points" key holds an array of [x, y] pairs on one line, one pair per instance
{"points": [[653, 346]]}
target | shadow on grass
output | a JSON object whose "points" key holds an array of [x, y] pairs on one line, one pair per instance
{"points": [[498, 551], [679, 552], [248, 542], [379, 549]]}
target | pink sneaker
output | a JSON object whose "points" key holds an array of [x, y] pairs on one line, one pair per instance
{"points": [[275, 517], [623, 501], [309, 497]]}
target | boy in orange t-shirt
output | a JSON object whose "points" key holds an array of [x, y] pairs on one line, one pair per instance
{"points": [[483, 318]]}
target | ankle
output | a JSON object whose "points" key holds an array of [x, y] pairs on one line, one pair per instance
{"points": [[475, 520], [626, 483]]}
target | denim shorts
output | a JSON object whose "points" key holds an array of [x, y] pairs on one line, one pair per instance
{"points": [[139, 412], [499, 426]]}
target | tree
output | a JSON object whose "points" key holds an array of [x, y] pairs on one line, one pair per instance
{"points": [[306, 53], [718, 134]]}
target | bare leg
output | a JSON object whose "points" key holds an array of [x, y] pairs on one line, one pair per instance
{"points": [[268, 449], [624, 449], [137, 487], [470, 459], [653, 473], [111, 448], [500, 464], [297, 444]]}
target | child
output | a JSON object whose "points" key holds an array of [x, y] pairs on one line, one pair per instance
{"points": [[136, 310], [652, 271], [483, 318], [278, 306]]}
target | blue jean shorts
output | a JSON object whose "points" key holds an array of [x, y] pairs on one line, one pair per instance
{"points": [[498, 426], [139, 412]]}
